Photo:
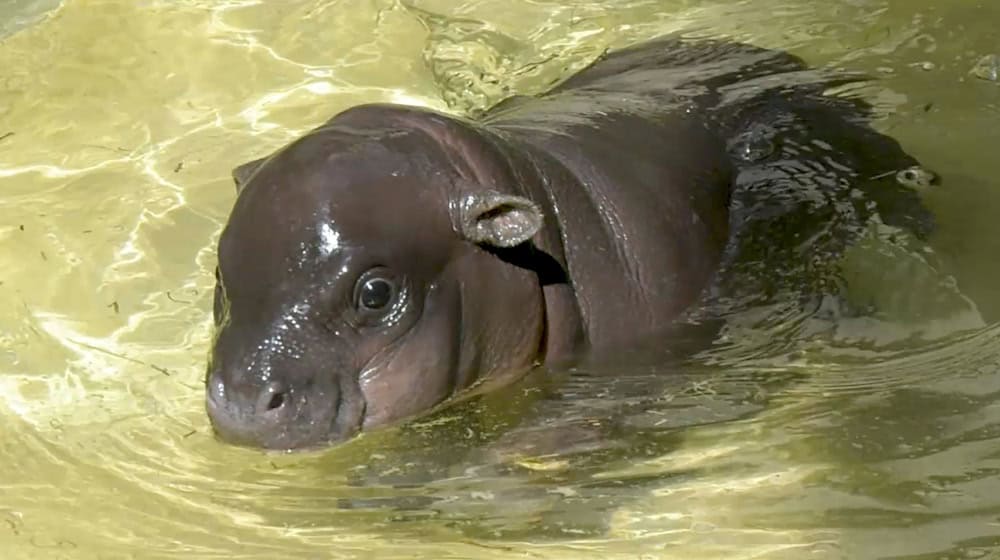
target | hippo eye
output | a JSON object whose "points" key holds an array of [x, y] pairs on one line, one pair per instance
{"points": [[379, 298], [376, 293]]}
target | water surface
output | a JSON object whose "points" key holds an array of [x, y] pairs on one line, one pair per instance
{"points": [[873, 436]]}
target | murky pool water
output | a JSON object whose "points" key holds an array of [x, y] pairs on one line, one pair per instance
{"points": [[796, 437]]}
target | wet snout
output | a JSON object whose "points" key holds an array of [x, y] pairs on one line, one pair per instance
{"points": [[275, 413], [239, 410]]}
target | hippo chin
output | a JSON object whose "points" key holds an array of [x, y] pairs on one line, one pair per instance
{"points": [[396, 259]]}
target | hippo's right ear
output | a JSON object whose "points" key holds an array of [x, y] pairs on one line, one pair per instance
{"points": [[497, 219], [242, 173]]}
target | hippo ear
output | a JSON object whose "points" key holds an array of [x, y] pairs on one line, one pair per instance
{"points": [[498, 220], [242, 173]]}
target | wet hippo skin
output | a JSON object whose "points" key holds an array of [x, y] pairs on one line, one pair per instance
{"points": [[396, 259]]}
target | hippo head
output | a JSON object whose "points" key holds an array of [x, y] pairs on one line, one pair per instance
{"points": [[361, 280]]}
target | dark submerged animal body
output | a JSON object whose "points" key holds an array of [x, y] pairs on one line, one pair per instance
{"points": [[396, 258]]}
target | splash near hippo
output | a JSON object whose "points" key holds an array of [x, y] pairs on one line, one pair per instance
{"points": [[395, 259]]}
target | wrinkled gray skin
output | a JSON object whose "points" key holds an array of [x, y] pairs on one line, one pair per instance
{"points": [[395, 259]]}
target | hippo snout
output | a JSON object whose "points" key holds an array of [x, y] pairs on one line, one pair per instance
{"points": [[278, 415], [271, 401], [251, 413]]}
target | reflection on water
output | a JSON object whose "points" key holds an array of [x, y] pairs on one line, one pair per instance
{"points": [[833, 435], [18, 14]]}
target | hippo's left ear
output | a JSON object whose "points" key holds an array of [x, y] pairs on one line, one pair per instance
{"points": [[242, 173], [497, 219]]}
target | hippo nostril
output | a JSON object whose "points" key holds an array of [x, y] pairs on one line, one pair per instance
{"points": [[276, 401], [274, 397]]}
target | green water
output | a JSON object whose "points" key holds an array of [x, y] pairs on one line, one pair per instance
{"points": [[120, 122]]}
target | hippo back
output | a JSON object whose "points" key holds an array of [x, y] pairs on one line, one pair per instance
{"points": [[802, 171]]}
